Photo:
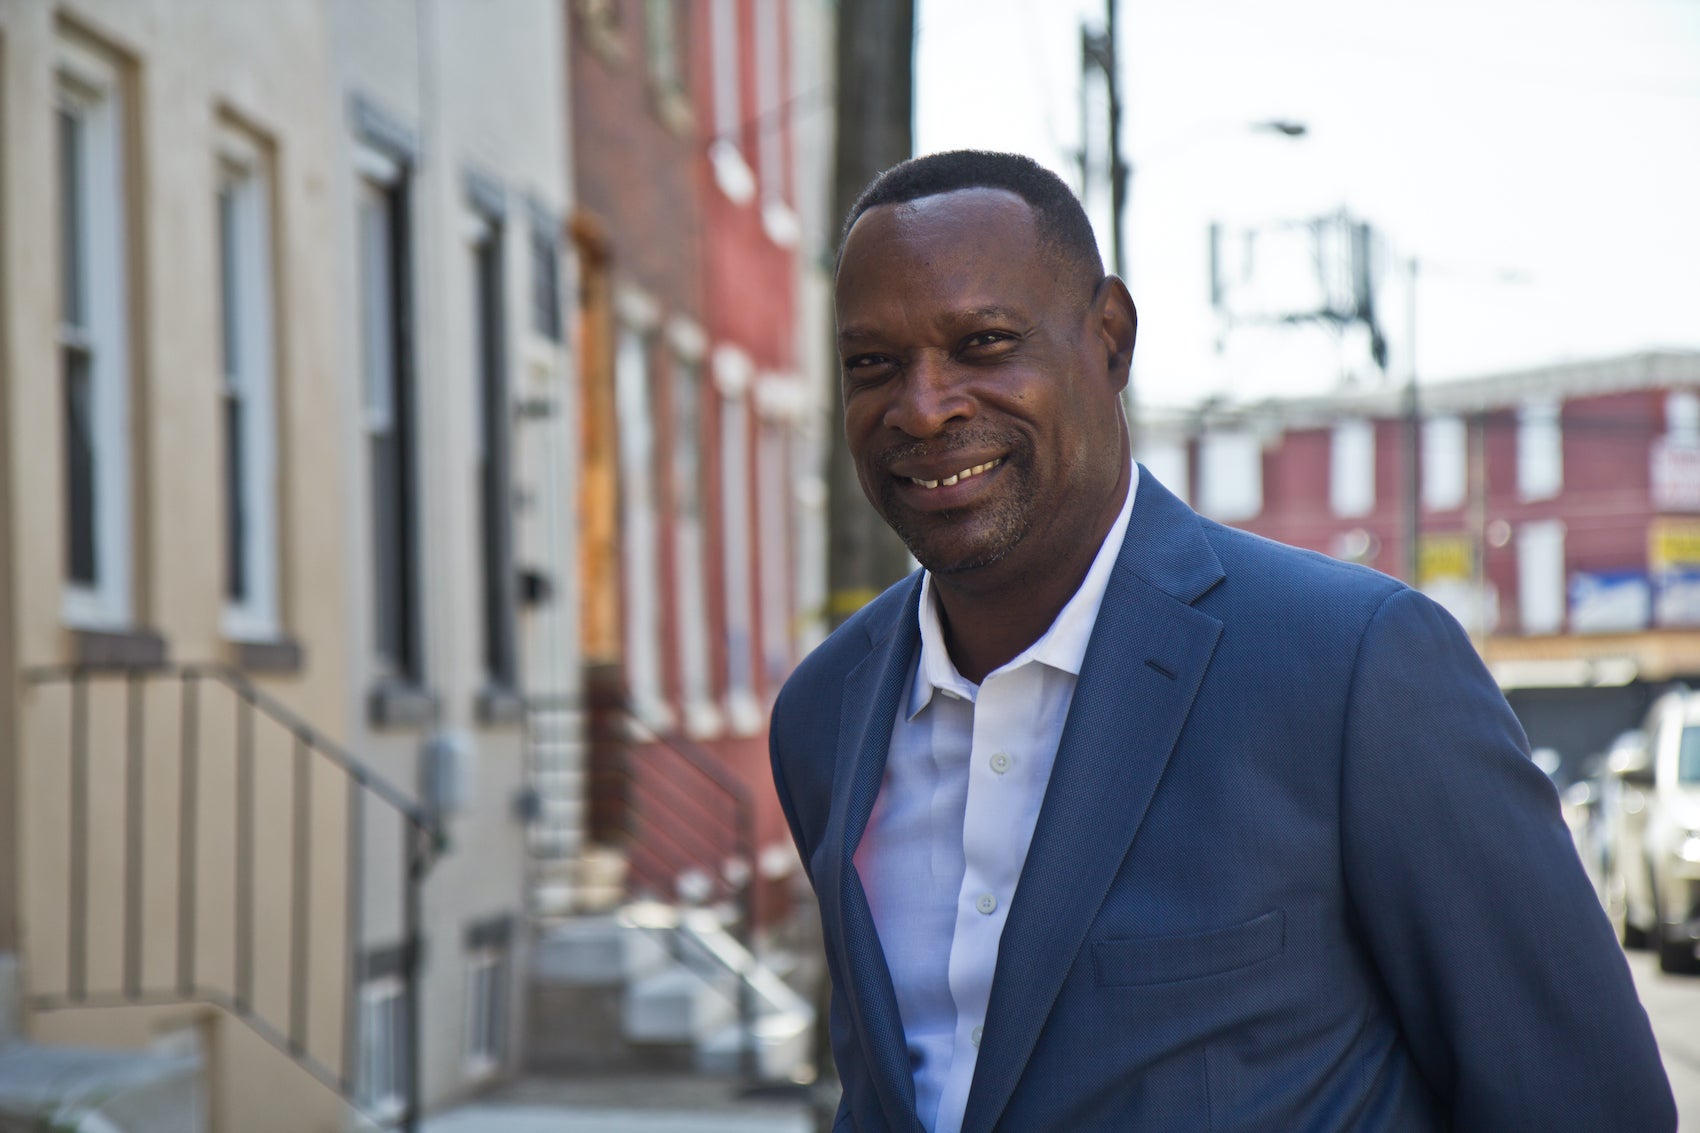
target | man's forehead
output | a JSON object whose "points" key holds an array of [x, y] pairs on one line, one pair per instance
{"points": [[956, 214]]}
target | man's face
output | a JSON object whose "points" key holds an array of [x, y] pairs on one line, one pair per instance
{"points": [[980, 381]]}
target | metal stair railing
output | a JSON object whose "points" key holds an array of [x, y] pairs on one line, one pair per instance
{"points": [[226, 731]]}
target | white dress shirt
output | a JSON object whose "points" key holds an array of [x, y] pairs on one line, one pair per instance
{"points": [[949, 833]]}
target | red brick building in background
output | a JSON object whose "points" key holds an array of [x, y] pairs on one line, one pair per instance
{"points": [[694, 419], [1559, 512]]}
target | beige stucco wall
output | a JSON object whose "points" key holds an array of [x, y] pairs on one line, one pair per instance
{"points": [[185, 67], [479, 93], [478, 96]]}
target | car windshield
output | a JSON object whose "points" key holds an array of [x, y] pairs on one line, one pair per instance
{"points": [[1688, 762]]}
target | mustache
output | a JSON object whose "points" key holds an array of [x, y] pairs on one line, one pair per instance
{"points": [[961, 440]]}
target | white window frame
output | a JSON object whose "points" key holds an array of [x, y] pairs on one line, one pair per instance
{"points": [[773, 530], [89, 89], [690, 550], [248, 304], [1165, 457], [1230, 473], [733, 376], [493, 448], [382, 1081], [777, 217], [484, 1044], [1351, 468], [1540, 450], [1542, 593], [639, 518], [379, 178], [1446, 463]]}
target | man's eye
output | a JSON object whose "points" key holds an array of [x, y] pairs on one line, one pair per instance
{"points": [[986, 338], [863, 365]]}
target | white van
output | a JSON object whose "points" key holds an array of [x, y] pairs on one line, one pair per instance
{"points": [[1653, 889]]}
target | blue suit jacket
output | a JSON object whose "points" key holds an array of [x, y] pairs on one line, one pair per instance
{"points": [[1294, 871]]}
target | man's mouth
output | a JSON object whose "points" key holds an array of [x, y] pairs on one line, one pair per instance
{"points": [[956, 477]]}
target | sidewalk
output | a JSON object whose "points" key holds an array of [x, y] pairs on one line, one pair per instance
{"points": [[626, 1103]]}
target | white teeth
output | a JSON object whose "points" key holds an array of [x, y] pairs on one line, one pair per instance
{"points": [[963, 475]]}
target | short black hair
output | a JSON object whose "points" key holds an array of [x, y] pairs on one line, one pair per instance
{"points": [[1062, 222]]}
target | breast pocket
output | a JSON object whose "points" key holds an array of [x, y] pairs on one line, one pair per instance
{"points": [[1140, 960]]}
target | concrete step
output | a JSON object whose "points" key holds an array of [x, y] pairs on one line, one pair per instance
{"points": [[783, 1041], [597, 951], [675, 1006], [102, 1091]]}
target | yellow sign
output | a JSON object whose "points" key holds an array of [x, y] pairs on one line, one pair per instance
{"points": [[1673, 543], [1445, 557]]}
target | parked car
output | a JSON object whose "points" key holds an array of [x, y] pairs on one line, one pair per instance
{"points": [[1653, 863]]}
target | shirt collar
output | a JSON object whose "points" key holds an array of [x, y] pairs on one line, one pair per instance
{"points": [[1062, 646]]}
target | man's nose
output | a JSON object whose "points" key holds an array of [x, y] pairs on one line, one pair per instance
{"points": [[930, 396]]}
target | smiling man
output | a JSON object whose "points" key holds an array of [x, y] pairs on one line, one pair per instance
{"points": [[1121, 819]]}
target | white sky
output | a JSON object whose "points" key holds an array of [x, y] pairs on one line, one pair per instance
{"points": [[1541, 158]]}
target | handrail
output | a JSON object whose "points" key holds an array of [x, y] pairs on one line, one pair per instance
{"points": [[688, 838], [308, 749]]}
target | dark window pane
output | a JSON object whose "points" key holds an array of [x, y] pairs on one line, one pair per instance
{"points": [[388, 554], [81, 563], [497, 526], [235, 496], [227, 237], [545, 286], [71, 219]]}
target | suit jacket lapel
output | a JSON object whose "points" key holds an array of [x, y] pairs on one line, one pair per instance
{"points": [[871, 694], [1147, 656]]}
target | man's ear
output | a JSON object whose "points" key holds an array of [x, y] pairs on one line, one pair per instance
{"points": [[1118, 326]]}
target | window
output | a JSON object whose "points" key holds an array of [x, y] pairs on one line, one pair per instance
{"points": [[492, 438], [1445, 471], [248, 415], [1540, 576], [387, 415], [93, 341], [731, 172], [545, 279], [1540, 451], [732, 377], [689, 549], [776, 215], [1351, 469], [383, 1070], [487, 977], [774, 478], [641, 579], [664, 43], [1166, 459], [1231, 475]]}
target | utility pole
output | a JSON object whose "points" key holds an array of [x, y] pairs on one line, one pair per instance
{"points": [[874, 131], [1098, 53], [1413, 434]]}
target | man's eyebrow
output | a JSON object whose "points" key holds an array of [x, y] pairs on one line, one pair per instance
{"points": [[852, 334]]}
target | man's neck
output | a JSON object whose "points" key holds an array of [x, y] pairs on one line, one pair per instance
{"points": [[984, 630]]}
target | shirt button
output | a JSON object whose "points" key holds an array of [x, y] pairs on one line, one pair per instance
{"points": [[1000, 763], [978, 1031], [986, 903]]}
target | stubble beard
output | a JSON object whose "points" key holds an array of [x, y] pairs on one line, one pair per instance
{"points": [[1000, 524]]}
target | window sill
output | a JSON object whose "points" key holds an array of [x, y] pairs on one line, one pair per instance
{"points": [[498, 706], [392, 704], [282, 655], [119, 649]]}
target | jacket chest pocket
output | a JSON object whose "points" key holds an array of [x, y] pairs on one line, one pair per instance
{"points": [[1142, 960]]}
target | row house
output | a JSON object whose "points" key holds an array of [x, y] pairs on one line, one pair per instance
{"points": [[699, 236], [1556, 514], [287, 452]]}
